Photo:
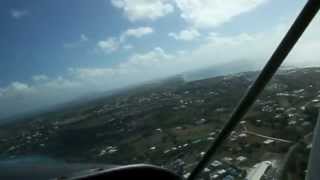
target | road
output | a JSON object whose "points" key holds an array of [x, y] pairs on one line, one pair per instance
{"points": [[267, 137]]}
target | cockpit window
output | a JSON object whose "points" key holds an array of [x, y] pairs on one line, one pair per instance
{"points": [[101, 84]]}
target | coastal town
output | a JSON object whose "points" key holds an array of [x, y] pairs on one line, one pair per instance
{"points": [[171, 123]]}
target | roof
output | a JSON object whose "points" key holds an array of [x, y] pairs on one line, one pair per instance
{"points": [[268, 141], [222, 171], [216, 163], [241, 158], [259, 170]]}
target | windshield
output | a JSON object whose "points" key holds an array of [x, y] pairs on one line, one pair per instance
{"points": [[100, 84]]}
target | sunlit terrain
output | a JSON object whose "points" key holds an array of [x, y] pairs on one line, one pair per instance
{"points": [[171, 123]]}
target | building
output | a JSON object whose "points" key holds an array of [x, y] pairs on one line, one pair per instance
{"points": [[258, 170]]}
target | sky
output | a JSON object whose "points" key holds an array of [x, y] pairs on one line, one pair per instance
{"points": [[52, 52]]}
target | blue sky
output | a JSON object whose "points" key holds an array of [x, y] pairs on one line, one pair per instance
{"points": [[55, 51]]}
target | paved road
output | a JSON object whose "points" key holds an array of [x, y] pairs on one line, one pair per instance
{"points": [[267, 137]]}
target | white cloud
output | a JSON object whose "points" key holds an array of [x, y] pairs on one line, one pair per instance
{"points": [[144, 9], [19, 13], [62, 83], [127, 47], [185, 35], [20, 97], [136, 65], [40, 77], [136, 32], [217, 49], [150, 59], [88, 73], [83, 38], [306, 52], [212, 13], [19, 86], [109, 45], [112, 44], [17, 89]]}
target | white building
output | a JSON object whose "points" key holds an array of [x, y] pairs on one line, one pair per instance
{"points": [[258, 170], [216, 163], [268, 141], [241, 158]]}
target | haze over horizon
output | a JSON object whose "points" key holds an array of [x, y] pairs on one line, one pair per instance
{"points": [[54, 51]]}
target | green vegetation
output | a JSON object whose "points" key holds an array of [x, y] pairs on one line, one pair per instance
{"points": [[161, 122]]}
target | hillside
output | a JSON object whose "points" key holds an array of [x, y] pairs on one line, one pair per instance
{"points": [[174, 121]]}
